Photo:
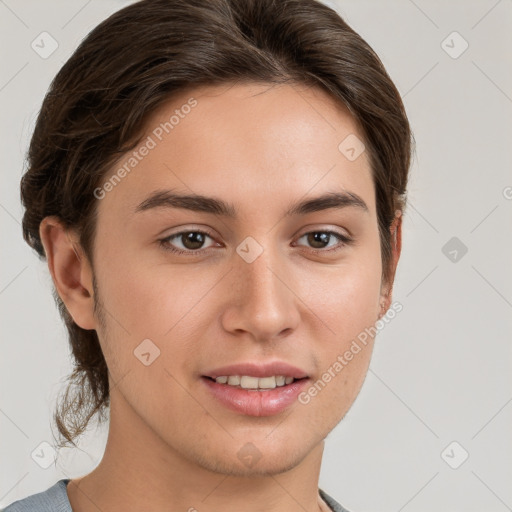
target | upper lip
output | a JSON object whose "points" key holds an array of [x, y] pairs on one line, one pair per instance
{"points": [[258, 370]]}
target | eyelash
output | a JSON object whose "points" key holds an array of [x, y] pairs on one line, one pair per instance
{"points": [[165, 242]]}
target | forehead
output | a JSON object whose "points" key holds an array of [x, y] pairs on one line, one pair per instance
{"points": [[246, 142]]}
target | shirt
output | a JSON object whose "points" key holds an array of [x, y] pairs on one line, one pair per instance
{"points": [[55, 499]]}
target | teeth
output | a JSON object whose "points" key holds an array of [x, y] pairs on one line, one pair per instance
{"points": [[252, 382], [248, 382], [280, 380], [234, 380]]}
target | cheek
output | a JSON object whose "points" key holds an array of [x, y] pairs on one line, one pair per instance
{"points": [[163, 303], [350, 311], [145, 297], [344, 297], [346, 301]]}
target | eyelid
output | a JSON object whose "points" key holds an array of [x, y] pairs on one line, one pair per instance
{"points": [[325, 229]]}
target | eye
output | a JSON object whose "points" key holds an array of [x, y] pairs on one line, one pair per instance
{"points": [[320, 240], [191, 242]]}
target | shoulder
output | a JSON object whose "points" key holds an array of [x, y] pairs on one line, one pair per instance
{"points": [[54, 499], [331, 502]]}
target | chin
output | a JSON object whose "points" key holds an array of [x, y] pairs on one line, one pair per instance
{"points": [[245, 458], [268, 465]]}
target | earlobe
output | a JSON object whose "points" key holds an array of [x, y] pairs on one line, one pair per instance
{"points": [[70, 271]]}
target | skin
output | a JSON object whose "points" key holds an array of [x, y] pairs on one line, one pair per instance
{"points": [[171, 446]]}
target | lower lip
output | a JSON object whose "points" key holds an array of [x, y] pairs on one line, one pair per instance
{"points": [[252, 402]]}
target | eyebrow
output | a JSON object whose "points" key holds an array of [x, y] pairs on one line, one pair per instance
{"points": [[200, 203]]}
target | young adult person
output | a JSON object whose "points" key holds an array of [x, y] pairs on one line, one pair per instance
{"points": [[218, 189]]}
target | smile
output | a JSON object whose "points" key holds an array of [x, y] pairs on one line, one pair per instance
{"points": [[248, 398]]}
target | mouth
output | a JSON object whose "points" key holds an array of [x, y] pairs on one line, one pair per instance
{"points": [[253, 396], [256, 388]]}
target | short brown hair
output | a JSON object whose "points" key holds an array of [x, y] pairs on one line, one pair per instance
{"points": [[136, 60]]}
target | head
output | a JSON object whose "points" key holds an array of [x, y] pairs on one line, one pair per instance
{"points": [[257, 104]]}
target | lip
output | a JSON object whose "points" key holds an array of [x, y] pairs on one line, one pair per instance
{"points": [[252, 402], [258, 370]]}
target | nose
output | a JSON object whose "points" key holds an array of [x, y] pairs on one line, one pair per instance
{"points": [[262, 302]]}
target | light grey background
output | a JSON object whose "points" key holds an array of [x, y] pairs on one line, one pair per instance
{"points": [[441, 370]]}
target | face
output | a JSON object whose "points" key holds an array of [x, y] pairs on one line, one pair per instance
{"points": [[246, 276]]}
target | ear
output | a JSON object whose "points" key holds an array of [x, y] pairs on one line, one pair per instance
{"points": [[396, 247], [70, 270]]}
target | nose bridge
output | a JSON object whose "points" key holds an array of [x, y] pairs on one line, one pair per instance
{"points": [[262, 303], [259, 276]]}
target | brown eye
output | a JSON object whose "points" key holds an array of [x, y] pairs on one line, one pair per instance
{"points": [[321, 240], [192, 240], [326, 241], [185, 242], [318, 239]]}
